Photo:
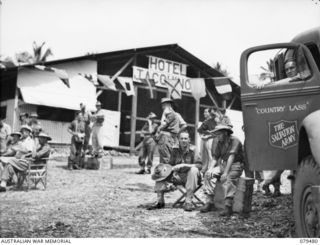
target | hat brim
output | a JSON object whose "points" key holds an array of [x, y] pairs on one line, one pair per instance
{"points": [[13, 134], [222, 128], [162, 176], [167, 101], [25, 128], [47, 137]]}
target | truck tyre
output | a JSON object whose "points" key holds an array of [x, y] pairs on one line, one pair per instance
{"points": [[305, 211]]}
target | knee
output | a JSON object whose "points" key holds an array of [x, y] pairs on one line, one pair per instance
{"points": [[194, 170]]}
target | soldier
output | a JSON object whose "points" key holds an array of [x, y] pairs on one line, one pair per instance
{"points": [[76, 129], [86, 117], [227, 166], [205, 130], [182, 169], [14, 141], [19, 161], [98, 123], [5, 131], [148, 144], [167, 132], [24, 118], [34, 124]]}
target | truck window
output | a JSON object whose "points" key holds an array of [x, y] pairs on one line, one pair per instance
{"points": [[276, 67], [315, 53]]}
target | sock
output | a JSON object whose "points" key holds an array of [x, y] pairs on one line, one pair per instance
{"points": [[160, 196]]}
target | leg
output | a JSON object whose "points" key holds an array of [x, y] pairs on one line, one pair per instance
{"points": [[166, 143], [150, 152], [7, 174], [191, 186], [87, 133], [160, 188], [267, 180], [73, 152], [206, 153], [142, 158], [276, 181], [230, 189], [209, 190]]}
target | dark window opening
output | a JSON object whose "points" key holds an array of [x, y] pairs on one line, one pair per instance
{"points": [[109, 100], [145, 105], [55, 114], [3, 112], [7, 84]]}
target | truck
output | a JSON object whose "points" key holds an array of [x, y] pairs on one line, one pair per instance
{"points": [[280, 99]]}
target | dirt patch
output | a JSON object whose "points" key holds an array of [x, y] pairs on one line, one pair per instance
{"points": [[105, 203]]}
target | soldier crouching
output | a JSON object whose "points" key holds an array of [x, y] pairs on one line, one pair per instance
{"points": [[226, 166]]}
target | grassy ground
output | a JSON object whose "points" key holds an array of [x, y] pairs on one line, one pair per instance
{"points": [[105, 203]]}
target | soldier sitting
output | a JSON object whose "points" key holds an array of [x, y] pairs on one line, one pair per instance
{"points": [[21, 164], [13, 142], [183, 168]]}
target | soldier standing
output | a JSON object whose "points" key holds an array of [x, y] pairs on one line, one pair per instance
{"points": [[86, 118], [167, 132], [148, 144]]}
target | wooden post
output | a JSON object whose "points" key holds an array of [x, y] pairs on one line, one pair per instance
{"points": [[133, 120], [133, 114], [197, 115], [15, 110], [196, 124], [224, 104], [119, 100]]}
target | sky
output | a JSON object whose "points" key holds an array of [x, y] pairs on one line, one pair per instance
{"points": [[212, 30]]}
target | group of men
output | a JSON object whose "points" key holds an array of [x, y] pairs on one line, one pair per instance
{"points": [[19, 149], [221, 157], [86, 125]]}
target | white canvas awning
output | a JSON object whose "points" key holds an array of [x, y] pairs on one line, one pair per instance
{"points": [[45, 88]]}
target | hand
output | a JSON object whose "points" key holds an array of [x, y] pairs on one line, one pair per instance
{"points": [[175, 168], [223, 177], [209, 174]]}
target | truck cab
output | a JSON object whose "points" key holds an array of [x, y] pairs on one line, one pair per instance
{"points": [[280, 95]]}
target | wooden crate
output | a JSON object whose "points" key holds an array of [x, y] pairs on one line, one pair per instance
{"points": [[242, 199]]}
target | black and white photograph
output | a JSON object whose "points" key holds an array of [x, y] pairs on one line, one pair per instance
{"points": [[159, 119]]}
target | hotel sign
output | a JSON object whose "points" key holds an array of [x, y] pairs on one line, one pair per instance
{"points": [[161, 69]]}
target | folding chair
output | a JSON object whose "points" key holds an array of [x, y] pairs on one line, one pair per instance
{"points": [[36, 173], [179, 202]]}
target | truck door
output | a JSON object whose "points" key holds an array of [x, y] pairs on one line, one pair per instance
{"points": [[277, 90]]}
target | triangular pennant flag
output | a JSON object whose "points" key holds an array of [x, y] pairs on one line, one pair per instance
{"points": [[106, 81], [127, 84], [91, 77], [198, 88], [175, 87], [222, 85], [62, 74], [151, 84]]}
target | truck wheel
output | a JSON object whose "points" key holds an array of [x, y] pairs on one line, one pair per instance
{"points": [[305, 211]]}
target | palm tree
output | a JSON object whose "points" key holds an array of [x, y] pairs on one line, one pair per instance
{"points": [[39, 55], [218, 66], [268, 71]]}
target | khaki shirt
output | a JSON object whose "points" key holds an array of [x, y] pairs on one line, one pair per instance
{"points": [[5, 131], [222, 150], [179, 156]]}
